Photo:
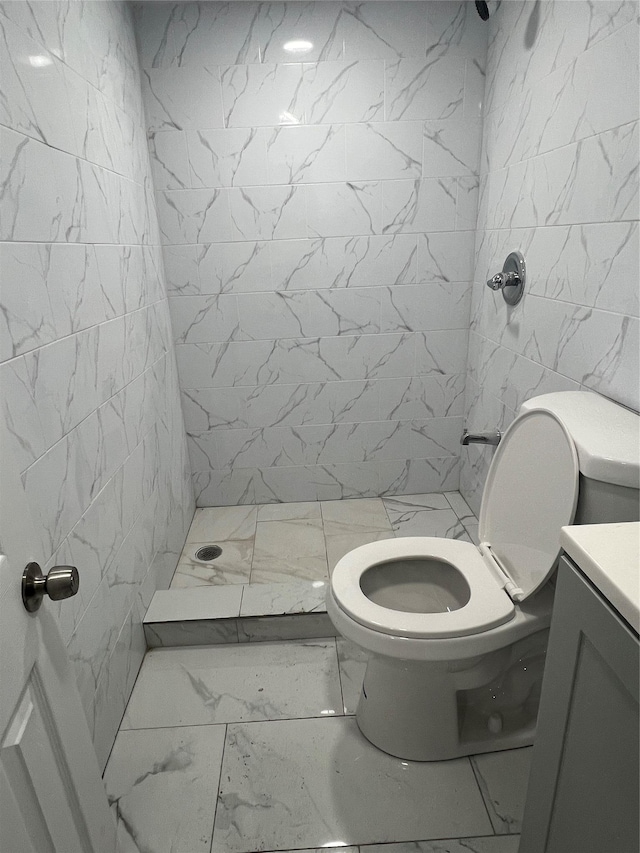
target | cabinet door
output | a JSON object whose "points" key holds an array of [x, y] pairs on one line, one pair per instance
{"points": [[583, 789]]}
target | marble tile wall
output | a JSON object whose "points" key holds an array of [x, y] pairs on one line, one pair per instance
{"points": [[317, 205], [87, 367], [559, 181]]}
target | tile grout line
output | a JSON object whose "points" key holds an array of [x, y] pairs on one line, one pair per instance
{"points": [[344, 707], [326, 550], [476, 775], [215, 809], [241, 722]]}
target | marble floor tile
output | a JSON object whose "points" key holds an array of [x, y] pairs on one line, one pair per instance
{"points": [[319, 783], [409, 503], [473, 533], [322, 850], [289, 511], [160, 784], [461, 508], [275, 599], [488, 844], [352, 661], [233, 566], [183, 605], [286, 550], [266, 681], [350, 516], [215, 523], [419, 522], [294, 627], [197, 632], [340, 544], [349, 524], [503, 778]]}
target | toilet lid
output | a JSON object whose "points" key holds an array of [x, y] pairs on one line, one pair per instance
{"points": [[530, 493]]}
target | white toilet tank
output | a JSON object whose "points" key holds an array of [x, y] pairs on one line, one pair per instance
{"points": [[607, 440]]}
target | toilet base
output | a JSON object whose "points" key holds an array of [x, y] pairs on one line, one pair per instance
{"points": [[439, 710]]}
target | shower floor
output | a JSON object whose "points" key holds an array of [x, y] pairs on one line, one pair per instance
{"points": [[269, 582], [289, 542]]}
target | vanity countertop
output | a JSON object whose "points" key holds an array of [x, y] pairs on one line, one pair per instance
{"points": [[609, 555]]}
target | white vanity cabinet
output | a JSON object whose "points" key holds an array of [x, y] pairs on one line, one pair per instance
{"points": [[583, 789]]}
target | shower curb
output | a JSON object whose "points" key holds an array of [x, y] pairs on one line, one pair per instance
{"points": [[237, 613]]}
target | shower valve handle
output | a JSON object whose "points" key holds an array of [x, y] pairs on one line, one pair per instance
{"points": [[504, 279]]}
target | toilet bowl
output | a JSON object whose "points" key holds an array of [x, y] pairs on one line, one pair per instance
{"points": [[456, 634]]}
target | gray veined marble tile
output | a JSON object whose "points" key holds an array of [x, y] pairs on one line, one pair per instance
{"points": [[487, 844], [194, 216], [262, 681], [343, 262], [160, 784], [370, 32], [473, 532], [289, 511], [168, 158], [461, 508], [384, 150], [503, 778], [226, 32], [441, 352], [430, 88], [352, 516], [344, 209], [277, 599], [451, 147], [258, 95], [267, 213], [217, 523], [234, 267], [323, 850], [352, 661], [339, 544], [350, 524], [279, 23], [417, 522], [287, 627], [319, 783], [184, 605], [196, 632], [446, 256], [285, 550], [415, 503], [180, 98], [432, 396], [336, 92], [424, 204], [233, 566], [227, 158], [305, 154]]}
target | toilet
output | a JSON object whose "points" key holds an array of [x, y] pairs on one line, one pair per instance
{"points": [[456, 634]]}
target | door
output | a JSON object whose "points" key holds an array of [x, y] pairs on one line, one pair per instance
{"points": [[52, 799]]}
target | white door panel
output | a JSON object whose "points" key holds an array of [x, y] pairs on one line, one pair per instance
{"points": [[52, 799]]}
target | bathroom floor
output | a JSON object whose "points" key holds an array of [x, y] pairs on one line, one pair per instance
{"points": [[303, 541], [254, 747]]}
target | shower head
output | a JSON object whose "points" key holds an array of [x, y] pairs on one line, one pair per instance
{"points": [[483, 9]]}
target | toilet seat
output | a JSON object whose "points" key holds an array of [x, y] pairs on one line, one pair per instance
{"points": [[531, 492], [488, 605]]}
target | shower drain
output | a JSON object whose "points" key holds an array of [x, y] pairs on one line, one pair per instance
{"points": [[208, 553]]}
